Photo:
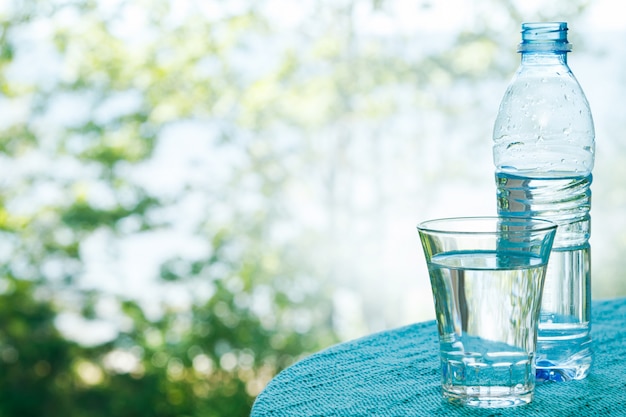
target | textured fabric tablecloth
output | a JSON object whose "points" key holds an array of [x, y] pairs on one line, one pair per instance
{"points": [[396, 373]]}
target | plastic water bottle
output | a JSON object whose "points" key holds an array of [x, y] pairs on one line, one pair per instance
{"points": [[543, 150]]}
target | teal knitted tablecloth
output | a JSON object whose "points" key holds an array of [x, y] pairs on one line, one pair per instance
{"points": [[396, 373]]}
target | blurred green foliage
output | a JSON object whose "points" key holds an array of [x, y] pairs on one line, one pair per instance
{"points": [[209, 357], [71, 145]]}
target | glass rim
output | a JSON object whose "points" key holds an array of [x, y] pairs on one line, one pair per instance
{"points": [[430, 226]]}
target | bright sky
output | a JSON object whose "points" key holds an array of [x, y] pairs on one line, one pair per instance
{"points": [[407, 16]]}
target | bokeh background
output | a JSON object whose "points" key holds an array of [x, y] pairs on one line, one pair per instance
{"points": [[195, 194]]}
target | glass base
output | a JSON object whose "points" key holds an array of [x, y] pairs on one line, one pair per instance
{"points": [[488, 397]]}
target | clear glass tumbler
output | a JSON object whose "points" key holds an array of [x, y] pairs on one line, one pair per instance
{"points": [[487, 276]]}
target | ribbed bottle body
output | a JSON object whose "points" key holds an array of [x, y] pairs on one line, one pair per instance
{"points": [[563, 348]]}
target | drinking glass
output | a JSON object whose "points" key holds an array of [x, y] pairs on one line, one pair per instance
{"points": [[487, 276]]}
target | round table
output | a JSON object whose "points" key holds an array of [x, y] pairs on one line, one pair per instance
{"points": [[396, 373]]}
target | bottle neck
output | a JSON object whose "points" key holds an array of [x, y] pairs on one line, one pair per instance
{"points": [[544, 43], [544, 58]]}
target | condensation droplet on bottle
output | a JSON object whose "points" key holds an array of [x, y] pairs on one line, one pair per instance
{"points": [[513, 145], [567, 130]]}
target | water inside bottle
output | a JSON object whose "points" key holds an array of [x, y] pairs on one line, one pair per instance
{"points": [[563, 350]]}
